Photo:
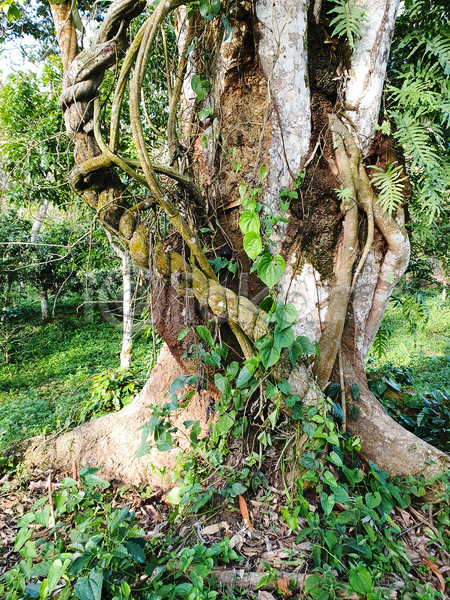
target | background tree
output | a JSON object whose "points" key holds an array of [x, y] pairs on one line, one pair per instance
{"points": [[274, 88]]}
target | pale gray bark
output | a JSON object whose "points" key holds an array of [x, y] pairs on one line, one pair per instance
{"points": [[38, 219], [43, 298], [127, 305], [35, 229], [127, 339]]}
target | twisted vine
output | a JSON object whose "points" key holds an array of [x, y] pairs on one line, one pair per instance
{"points": [[170, 267]]}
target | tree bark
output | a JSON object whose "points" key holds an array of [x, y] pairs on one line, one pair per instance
{"points": [[43, 297], [35, 229], [38, 219], [285, 97], [127, 306]]}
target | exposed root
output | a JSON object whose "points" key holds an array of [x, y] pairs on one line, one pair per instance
{"points": [[394, 265], [340, 293], [384, 441]]}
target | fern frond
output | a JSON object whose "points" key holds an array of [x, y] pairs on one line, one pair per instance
{"points": [[414, 138], [415, 94], [439, 46], [445, 113], [389, 182], [345, 194], [380, 342], [432, 190], [415, 312], [348, 21], [385, 128]]}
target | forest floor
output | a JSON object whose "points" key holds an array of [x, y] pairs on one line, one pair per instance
{"points": [[269, 555], [244, 538]]}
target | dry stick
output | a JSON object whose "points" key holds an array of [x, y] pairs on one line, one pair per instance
{"points": [[52, 505]]}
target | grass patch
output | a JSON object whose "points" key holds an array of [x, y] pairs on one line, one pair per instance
{"points": [[50, 367], [431, 338]]}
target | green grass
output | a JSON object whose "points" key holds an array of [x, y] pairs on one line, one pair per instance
{"points": [[432, 340], [412, 378], [428, 351], [50, 368]]}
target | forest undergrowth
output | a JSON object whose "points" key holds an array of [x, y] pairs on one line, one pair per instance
{"points": [[54, 375], [238, 523]]}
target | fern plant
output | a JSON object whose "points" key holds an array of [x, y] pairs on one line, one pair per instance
{"points": [[380, 344], [389, 182], [439, 46], [415, 311], [418, 104], [348, 21], [345, 194]]}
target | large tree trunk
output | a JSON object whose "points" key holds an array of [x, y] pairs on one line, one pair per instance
{"points": [[111, 441], [285, 97]]}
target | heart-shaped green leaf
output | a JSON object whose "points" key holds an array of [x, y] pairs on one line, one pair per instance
{"points": [[271, 269]]}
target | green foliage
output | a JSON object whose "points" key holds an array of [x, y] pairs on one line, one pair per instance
{"points": [[348, 21], [200, 86], [111, 390], [345, 194], [414, 309], [389, 182], [421, 408], [418, 104], [209, 10], [380, 343], [416, 322], [271, 269], [58, 259], [33, 149], [48, 377], [99, 552]]}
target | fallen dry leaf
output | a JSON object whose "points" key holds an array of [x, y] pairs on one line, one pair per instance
{"points": [[236, 541], [249, 551], [215, 528], [304, 546], [37, 485], [273, 555], [244, 512], [258, 504], [436, 571], [283, 585]]}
